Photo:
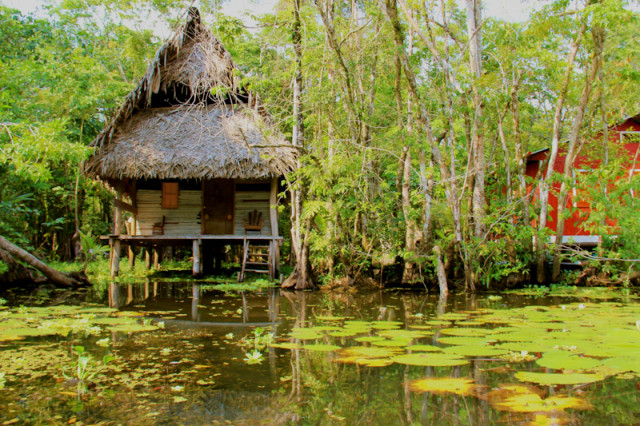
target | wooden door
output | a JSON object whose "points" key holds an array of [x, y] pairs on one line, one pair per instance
{"points": [[218, 199]]}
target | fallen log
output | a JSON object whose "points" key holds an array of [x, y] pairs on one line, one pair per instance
{"points": [[26, 257]]}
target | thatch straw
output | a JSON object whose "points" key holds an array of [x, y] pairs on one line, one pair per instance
{"points": [[194, 142], [191, 140]]}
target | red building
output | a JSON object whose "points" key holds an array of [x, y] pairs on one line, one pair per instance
{"points": [[623, 144]]}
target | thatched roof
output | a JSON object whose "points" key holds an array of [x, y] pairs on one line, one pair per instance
{"points": [[188, 118], [194, 142]]}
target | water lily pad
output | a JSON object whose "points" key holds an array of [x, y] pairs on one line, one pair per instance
{"points": [[112, 321], [129, 314], [465, 332], [368, 339], [526, 401], [393, 343], [475, 351], [305, 334], [454, 316], [286, 345], [563, 360], [346, 333], [623, 363], [429, 359], [465, 341], [369, 352], [28, 332], [424, 348], [409, 334], [374, 362], [325, 328], [438, 322], [132, 328], [547, 379], [8, 338], [532, 347], [321, 348], [385, 325], [440, 385]]}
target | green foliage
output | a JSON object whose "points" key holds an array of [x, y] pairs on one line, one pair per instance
{"points": [[91, 249], [63, 77], [85, 369]]}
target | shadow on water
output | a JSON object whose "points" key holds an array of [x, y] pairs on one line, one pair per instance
{"points": [[186, 353]]}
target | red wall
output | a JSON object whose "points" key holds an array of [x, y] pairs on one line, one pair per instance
{"points": [[587, 159]]}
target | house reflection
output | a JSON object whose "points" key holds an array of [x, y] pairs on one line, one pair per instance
{"points": [[184, 304]]}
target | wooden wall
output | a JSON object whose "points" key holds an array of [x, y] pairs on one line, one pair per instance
{"points": [[248, 201], [185, 220]]}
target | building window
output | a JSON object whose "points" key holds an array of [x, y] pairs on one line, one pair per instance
{"points": [[170, 195]]}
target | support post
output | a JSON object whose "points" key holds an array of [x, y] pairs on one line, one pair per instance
{"points": [[273, 216], [147, 258], [115, 257], [132, 257], [197, 258], [117, 227], [156, 258]]}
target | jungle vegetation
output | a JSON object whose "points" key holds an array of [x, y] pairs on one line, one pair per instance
{"points": [[414, 119]]}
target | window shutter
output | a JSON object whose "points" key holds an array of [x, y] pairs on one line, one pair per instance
{"points": [[170, 195]]}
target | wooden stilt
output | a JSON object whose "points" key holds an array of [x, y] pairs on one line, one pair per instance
{"points": [[156, 258], [273, 217], [197, 258], [147, 258], [132, 257], [115, 258]]}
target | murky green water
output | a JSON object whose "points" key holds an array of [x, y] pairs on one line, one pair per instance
{"points": [[187, 355]]}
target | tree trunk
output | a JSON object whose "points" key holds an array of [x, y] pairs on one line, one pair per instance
{"points": [[478, 165], [447, 170], [301, 277], [555, 142], [573, 149], [26, 257], [440, 272]]}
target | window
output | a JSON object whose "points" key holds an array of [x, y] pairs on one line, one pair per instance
{"points": [[170, 192]]}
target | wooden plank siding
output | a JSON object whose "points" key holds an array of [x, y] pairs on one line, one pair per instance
{"points": [[248, 201], [185, 220]]}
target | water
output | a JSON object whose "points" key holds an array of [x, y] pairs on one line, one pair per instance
{"points": [[198, 368]]}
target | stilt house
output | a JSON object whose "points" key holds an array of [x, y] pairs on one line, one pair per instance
{"points": [[192, 158], [623, 143]]}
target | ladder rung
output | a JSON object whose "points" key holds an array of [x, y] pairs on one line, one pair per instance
{"points": [[257, 263], [259, 271]]}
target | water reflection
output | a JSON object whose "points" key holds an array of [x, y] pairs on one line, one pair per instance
{"points": [[199, 303], [195, 369]]}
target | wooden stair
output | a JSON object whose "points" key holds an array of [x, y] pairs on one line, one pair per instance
{"points": [[257, 257]]}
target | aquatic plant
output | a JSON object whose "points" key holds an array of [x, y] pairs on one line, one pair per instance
{"points": [[84, 369], [254, 357]]}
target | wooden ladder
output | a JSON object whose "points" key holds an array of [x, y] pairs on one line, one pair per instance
{"points": [[257, 257]]}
